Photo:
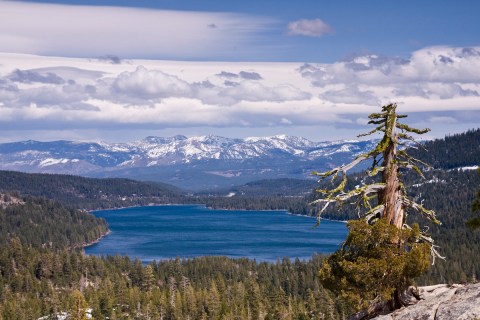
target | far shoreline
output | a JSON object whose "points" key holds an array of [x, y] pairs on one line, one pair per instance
{"points": [[211, 208], [84, 245], [209, 214]]}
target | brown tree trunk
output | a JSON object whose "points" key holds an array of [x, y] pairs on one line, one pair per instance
{"points": [[391, 196]]}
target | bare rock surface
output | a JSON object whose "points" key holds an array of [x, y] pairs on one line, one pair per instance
{"points": [[442, 302]]}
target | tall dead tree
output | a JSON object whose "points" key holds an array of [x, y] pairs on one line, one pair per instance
{"points": [[390, 193], [385, 201]]}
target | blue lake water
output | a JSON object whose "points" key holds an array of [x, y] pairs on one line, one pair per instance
{"points": [[185, 231]]}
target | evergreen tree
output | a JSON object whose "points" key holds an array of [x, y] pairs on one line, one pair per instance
{"points": [[474, 223], [380, 257], [78, 307], [148, 278]]}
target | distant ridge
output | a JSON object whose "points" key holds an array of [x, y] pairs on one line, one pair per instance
{"points": [[213, 162], [192, 163], [87, 193], [153, 151]]}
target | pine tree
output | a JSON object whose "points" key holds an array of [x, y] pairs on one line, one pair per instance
{"points": [[78, 307], [148, 278], [382, 253], [474, 223]]}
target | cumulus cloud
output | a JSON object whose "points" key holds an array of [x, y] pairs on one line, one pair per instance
{"points": [[430, 74], [250, 75], [437, 86], [310, 28], [110, 58], [425, 65], [69, 73], [228, 75], [30, 76], [383, 64], [68, 96], [93, 31], [352, 95], [229, 83], [142, 87], [247, 75], [433, 90], [145, 84], [254, 91]]}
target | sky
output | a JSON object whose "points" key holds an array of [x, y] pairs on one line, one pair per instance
{"points": [[123, 70]]}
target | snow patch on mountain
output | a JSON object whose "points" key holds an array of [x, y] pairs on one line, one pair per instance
{"points": [[467, 168], [163, 151], [51, 161]]}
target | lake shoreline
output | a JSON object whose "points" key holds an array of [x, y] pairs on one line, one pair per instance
{"points": [[91, 243], [212, 208], [168, 231], [146, 205], [84, 245]]}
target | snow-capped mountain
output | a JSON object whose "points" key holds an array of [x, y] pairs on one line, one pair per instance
{"points": [[172, 159]]}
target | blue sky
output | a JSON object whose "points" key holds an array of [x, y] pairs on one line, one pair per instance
{"points": [[122, 70], [393, 28]]}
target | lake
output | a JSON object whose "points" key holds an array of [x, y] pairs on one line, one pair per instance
{"points": [[186, 231]]}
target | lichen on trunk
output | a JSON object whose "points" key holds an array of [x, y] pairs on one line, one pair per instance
{"points": [[384, 203]]}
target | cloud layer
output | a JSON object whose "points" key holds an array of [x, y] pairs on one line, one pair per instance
{"points": [[52, 29], [437, 86], [310, 28], [436, 75]]}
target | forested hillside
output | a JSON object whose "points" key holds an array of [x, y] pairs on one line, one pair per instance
{"points": [[43, 273], [37, 222], [449, 192], [283, 187], [88, 193], [454, 151], [118, 288], [451, 195]]}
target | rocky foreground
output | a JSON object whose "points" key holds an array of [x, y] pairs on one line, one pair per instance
{"points": [[439, 302]]}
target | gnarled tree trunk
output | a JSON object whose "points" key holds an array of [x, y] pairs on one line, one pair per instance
{"points": [[391, 195]]}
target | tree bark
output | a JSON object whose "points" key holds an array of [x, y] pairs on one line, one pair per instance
{"points": [[391, 195]]}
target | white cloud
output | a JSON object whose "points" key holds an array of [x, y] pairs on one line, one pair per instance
{"points": [[142, 89], [434, 64], [55, 93], [351, 95], [67, 30], [145, 84], [434, 79], [254, 91], [438, 90], [310, 28]]}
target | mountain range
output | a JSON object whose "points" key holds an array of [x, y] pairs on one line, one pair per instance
{"points": [[202, 162]]}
